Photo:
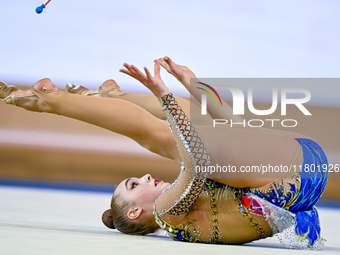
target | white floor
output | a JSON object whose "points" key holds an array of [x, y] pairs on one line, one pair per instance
{"points": [[44, 221]]}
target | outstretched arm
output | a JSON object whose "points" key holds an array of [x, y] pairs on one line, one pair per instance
{"points": [[189, 183], [153, 83], [185, 76]]}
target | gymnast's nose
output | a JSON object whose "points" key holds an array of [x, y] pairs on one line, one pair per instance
{"points": [[147, 177]]}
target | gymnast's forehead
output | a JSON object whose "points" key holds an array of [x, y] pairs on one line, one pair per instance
{"points": [[121, 187]]}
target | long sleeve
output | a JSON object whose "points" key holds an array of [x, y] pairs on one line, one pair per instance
{"points": [[178, 198]]}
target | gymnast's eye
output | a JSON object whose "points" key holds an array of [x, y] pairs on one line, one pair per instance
{"points": [[133, 185]]}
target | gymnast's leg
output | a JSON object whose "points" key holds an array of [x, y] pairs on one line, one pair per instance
{"points": [[146, 101], [110, 89], [116, 115]]}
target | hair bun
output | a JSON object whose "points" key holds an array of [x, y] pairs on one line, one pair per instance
{"points": [[107, 219]]}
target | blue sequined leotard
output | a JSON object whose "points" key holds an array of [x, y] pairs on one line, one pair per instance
{"points": [[300, 194], [197, 209]]}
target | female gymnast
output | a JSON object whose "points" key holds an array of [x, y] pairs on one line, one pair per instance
{"points": [[198, 206]]}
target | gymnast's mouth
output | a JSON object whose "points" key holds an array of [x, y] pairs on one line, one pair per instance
{"points": [[156, 182]]}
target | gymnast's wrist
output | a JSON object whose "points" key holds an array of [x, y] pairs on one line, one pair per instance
{"points": [[162, 93], [164, 100]]}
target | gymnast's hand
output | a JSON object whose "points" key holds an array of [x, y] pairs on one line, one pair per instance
{"points": [[182, 73], [155, 84]]}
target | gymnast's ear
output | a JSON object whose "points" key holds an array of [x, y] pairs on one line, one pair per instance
{"points": [[134, 213], [107, 219]]}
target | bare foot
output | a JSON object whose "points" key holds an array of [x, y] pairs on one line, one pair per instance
{"points": [[27, 98], [110, 89], [182, 73]]}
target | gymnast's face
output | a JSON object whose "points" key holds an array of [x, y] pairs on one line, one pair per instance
{"points": [[141, 193]]}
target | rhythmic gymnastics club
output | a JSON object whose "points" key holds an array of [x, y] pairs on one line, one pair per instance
{"points": [[42, 7]]}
